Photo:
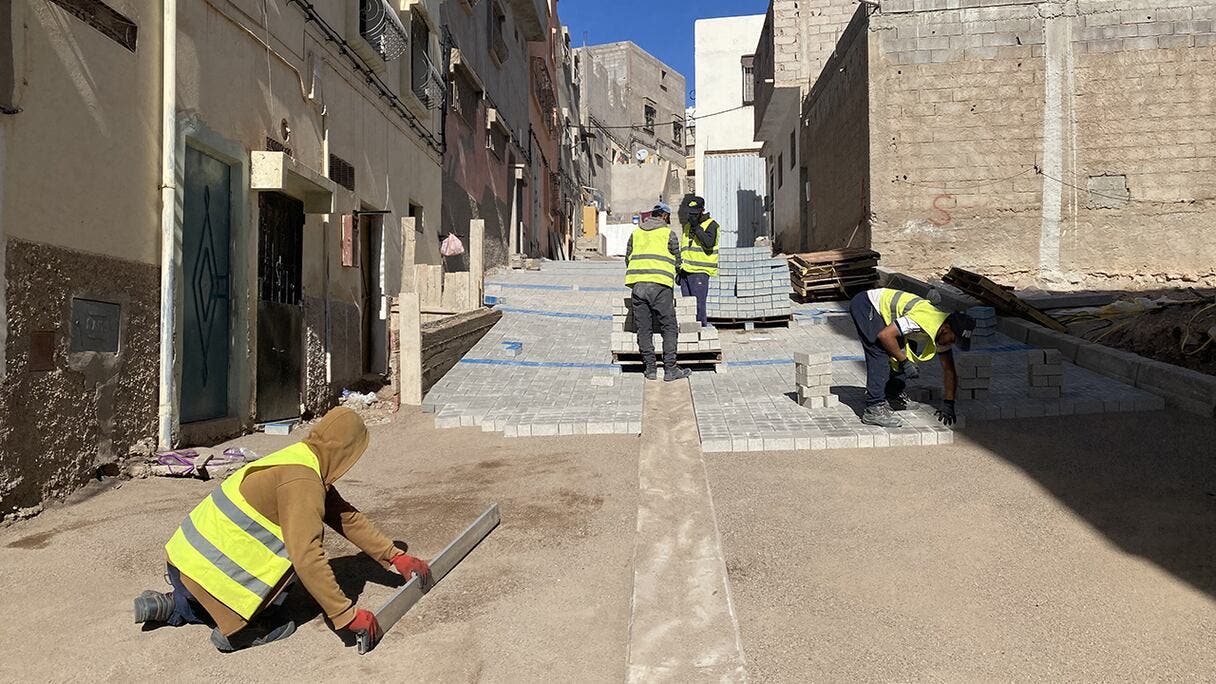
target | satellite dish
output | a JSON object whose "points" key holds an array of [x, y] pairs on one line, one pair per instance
{"points": [[643, 155]]}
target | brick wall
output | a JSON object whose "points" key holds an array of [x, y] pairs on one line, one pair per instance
{"points": [[837, 145], [1043, 144]]}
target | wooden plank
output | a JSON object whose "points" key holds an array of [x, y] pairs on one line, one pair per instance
{"points": [[477, 264], [410, 340], [1004, 300], [455, 291], [396, 607]]}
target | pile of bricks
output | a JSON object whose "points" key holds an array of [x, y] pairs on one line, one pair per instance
{"points": [[751, 285], [985, 324], [1045, 373], [974, 375], [699, 345], [813, 374]]}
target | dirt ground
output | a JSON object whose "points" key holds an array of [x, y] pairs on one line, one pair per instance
{"points": [[1076, 549], [1173, 334], [1044, 550]]}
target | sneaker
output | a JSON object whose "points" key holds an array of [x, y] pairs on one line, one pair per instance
{"points": [[882, 416], [250, 636], [675, 373], [153, 606], [651, 373], [899, 402]]}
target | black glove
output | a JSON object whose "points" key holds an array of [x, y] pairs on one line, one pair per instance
{"points": [[946, 414], [909, 369]]}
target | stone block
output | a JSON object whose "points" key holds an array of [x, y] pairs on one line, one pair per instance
{"points": [[1044, 392], [1187, 389], [812, 359], [1110, 362]]}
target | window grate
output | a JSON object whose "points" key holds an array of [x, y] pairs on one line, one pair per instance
{"points": [[273, 145], [749, 80], [382, 29], [342, 172], [97, 14]]}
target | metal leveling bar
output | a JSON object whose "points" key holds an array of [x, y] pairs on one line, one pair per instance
{"points": [[405, 598]]}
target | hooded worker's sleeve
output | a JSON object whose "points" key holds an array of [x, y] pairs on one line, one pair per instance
{"points": [[349, 522], [301, 504], [706, 236], [673, 246]]}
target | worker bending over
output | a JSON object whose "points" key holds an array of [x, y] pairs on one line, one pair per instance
{"points": [[652, 258], [898, 330], [699, 250], [232, 559]]}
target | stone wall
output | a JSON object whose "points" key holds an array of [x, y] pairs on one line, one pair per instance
{"points": [[1047, 143], [65, 413]]}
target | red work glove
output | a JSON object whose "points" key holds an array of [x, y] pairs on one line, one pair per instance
{"points": [[365, 621], [408, 565]]}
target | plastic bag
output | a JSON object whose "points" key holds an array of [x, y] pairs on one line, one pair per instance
{"points": [[451, 246]]}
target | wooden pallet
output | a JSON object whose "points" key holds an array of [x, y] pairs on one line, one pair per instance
{"points": [[999, 297], [832, 275], [697, 359], [760, 322]]}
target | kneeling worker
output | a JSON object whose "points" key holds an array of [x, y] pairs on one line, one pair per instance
{"points": [[899, 330], [236, 553], [651, 259]]}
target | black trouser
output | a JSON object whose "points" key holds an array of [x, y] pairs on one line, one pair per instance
{"points": [[654, 301], [882, 381], [696, 285]]}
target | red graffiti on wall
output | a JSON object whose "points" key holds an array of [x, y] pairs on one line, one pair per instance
{"points": [[940, 207]]}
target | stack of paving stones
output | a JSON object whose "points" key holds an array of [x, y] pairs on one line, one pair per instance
{"points": [[985, 325], [696, 346], [1045, 373], [813, 375], [974, 375], [752, 285]]}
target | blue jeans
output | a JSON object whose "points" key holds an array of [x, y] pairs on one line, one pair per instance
{"points": [[186, 611], [696, 285], [881, 380]]}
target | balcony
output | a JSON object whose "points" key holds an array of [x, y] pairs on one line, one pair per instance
{"points": [[532, 17], [428, 83]]}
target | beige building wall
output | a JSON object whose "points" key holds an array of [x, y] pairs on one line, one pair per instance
{"points": [[720, 46]]}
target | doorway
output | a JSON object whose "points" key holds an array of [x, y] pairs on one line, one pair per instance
{"points": [[374, 306], [280, 306], [206, 253]]}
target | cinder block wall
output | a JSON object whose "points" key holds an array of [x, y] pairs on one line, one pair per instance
{"points": [[836, 145], [1045, 142]]}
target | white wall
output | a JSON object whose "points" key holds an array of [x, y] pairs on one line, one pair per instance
{"points": [[720, 47]]}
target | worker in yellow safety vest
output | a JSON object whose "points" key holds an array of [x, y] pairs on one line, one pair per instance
{"points": [[652, 258], [699, 237], [234, 556], [898, 330]]}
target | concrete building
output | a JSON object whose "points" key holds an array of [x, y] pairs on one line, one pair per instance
{"points": [[633, 124], [487, 162], [796, 40], [573, 165], [1052, 143], [728, 169], [232, 242], [550, 235]]}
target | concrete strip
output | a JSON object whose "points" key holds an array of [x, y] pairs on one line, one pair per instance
{"points": [[682, 626]]}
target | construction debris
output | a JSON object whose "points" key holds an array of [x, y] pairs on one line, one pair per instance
{"points": [[751, 286], [202, 463], [833, 275], [1005, 301], [697, 346]]}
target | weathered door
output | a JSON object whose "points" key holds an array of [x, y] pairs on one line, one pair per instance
{"points": [[280, 306], [206, 231], [735, 187]]}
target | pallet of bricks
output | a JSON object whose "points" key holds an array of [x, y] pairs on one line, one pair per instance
{"points": [[752, 286], [833, 275], [698, 347]]}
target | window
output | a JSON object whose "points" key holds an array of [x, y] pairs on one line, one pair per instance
{"points": [[749, 80], [425, 80], [780, 170], [498, 25], [677, 132], [416, 214], [466, 97], [650, 112], [793, 149], [663, 79]]}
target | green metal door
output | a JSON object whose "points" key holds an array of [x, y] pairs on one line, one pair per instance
{"points": [[206, 232]]}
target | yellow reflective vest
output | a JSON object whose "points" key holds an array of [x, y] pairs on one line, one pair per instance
{"points": [[893, 304], [228, 547], [697, 259], [651, 260]]}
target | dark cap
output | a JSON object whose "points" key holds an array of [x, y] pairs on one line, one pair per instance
{"points": [[963, 327]]}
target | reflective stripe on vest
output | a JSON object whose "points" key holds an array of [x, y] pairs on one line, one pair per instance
{"points": [[651, 260], [694, 256], [893, 304], [228, 547]]}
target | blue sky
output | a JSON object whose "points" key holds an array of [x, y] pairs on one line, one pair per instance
{"points": [[664, 28]]}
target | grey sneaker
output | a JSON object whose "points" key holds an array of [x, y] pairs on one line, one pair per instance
{"points": [[882, 416], [675, 373], [250, 636], [153, 606], [899, 402], [651, 373]]}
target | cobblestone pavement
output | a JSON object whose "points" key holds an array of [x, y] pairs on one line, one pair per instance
{"points": [[545, 369]]}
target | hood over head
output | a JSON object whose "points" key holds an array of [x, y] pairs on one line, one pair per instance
{"points": [[338, 440]]}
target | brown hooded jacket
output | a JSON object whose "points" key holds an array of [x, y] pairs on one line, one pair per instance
{"points": [[293, 497]]}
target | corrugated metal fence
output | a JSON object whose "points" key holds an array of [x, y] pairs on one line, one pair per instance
{"points": [[734, 194]]}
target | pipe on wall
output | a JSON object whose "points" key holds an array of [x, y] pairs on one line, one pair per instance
{"points": [[170, 233]]}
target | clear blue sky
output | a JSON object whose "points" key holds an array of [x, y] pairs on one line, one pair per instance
{"points": [[664, 28]]}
